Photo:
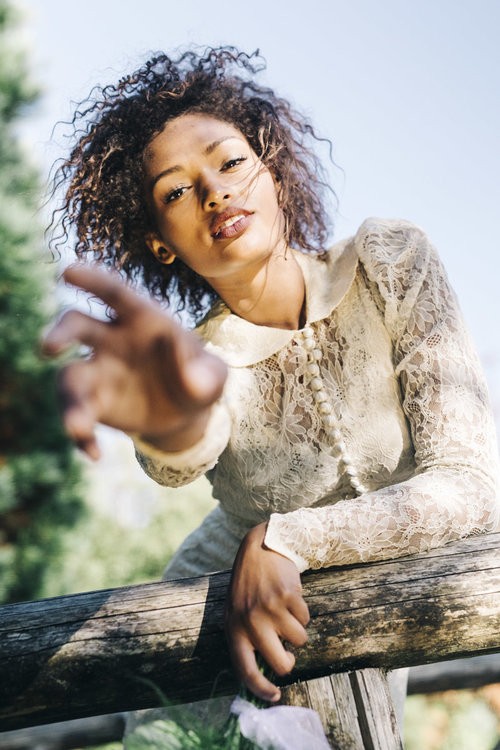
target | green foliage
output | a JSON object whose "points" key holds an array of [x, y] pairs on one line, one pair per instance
{"points": [[167, 734], [190, 728], [39, 477], [100, 552]]}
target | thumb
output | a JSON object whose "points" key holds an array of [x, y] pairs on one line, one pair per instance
{"points": [[204, 377]]}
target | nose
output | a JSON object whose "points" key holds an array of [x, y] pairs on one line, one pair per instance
{"points": [[214, 194]]}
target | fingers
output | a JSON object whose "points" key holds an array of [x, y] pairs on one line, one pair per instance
{"points": [[245, 664], [201, 375], [291, 630], [196, 376], [300, 611], [264, 636], [269, 645], [74, 327], [76, 393], [107, 286], [203, 378]]}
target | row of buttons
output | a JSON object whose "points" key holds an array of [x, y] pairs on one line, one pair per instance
{"points": [[314, 356]]}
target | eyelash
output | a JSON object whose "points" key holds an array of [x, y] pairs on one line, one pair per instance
{"points": [[177, 192], [174, 194], [233, 162]]}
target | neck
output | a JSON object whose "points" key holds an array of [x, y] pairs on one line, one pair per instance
{"points": [[271, 295]]}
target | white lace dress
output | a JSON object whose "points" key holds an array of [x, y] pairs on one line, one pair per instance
{"points": [[366, 435]]}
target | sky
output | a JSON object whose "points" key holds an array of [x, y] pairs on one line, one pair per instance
{"points": [[408, 93]]}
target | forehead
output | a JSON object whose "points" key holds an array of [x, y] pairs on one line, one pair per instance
{"points": [[186, 136]]}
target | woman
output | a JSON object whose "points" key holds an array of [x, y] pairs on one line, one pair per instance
{"points": [[337, 406]]}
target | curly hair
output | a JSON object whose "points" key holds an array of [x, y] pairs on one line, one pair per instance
{"points": [[104, 199]]}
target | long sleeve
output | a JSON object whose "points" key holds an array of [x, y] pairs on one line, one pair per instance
{"points": [[453, 490], [177, 469]]}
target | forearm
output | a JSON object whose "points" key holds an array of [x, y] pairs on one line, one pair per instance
{"points": [[180, 466], [429, 510]]}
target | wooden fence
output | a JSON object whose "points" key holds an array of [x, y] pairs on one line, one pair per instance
{"points": [[101, 652]]}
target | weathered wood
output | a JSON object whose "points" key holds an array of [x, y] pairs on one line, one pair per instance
{"points": [[79, 655], [335, 712], [377, 719], [333, 699], [355, 709]]}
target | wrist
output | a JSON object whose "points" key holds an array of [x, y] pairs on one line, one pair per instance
{"points": [[257, 534], [257, 538], [182, 437]]}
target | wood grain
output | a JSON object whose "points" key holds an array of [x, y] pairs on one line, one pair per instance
{"points": [[108, 651]]}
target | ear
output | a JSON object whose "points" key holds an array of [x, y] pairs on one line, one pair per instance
{"points": [[161, 252]]}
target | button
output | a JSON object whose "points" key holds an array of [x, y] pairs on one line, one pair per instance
{"points": [[338, 448]]}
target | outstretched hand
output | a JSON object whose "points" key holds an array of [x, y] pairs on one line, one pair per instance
{"points": [[263, 608], [146, 375]]}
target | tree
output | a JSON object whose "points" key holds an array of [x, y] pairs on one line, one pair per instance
{"points": [[39, 474]]}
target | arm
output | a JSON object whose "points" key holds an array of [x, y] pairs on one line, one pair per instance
{"points": [[146, 375], [264, 606], [454, 490], [175, 469], [452, 493]]}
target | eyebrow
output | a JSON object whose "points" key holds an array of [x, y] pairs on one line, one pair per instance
{"points": [[207, 151]]}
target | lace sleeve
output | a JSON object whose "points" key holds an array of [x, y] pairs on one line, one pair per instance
{"points": [[453, 492], [177, 469]]}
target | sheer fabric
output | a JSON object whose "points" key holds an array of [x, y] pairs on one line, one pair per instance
{"points": [[405, 392]]}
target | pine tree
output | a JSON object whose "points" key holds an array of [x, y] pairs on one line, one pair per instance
{"points": [[39, 475]]}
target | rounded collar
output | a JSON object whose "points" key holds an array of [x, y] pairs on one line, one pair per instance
{"points": [[241, 343]]}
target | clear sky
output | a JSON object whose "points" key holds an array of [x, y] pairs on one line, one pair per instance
{"points": [[407, 91]]}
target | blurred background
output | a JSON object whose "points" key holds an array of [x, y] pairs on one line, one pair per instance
{"points": [[408, 94]]}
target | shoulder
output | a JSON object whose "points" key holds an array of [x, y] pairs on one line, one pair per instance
{"points": [[396, 254], [390, 241]]}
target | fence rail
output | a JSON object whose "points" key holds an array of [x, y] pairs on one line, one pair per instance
{"points": [[103, 652]]}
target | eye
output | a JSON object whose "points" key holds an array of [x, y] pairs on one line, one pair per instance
{"points": [[233, 163], [175, 194]]}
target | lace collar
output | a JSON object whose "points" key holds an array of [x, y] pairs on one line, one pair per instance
{"points": [[241, 343]]}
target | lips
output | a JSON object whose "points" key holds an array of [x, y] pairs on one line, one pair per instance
{"points": [[229, 223]]}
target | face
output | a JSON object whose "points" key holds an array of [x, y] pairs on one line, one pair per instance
{"points": [[214, 202]]}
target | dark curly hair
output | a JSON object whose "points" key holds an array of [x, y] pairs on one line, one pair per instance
{"points": [[104, 200]]}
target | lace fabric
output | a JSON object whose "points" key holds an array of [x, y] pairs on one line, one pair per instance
{"points": [[404, 388]]}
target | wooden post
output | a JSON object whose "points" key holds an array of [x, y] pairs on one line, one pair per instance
{"points": [[355, 709], [100, 652]]}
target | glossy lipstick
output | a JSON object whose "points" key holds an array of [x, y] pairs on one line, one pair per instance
{"points": [[229, 223]]}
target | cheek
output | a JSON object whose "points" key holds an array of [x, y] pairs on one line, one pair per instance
{"points": [[266, 189], [272, 197], [174, 226]]}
